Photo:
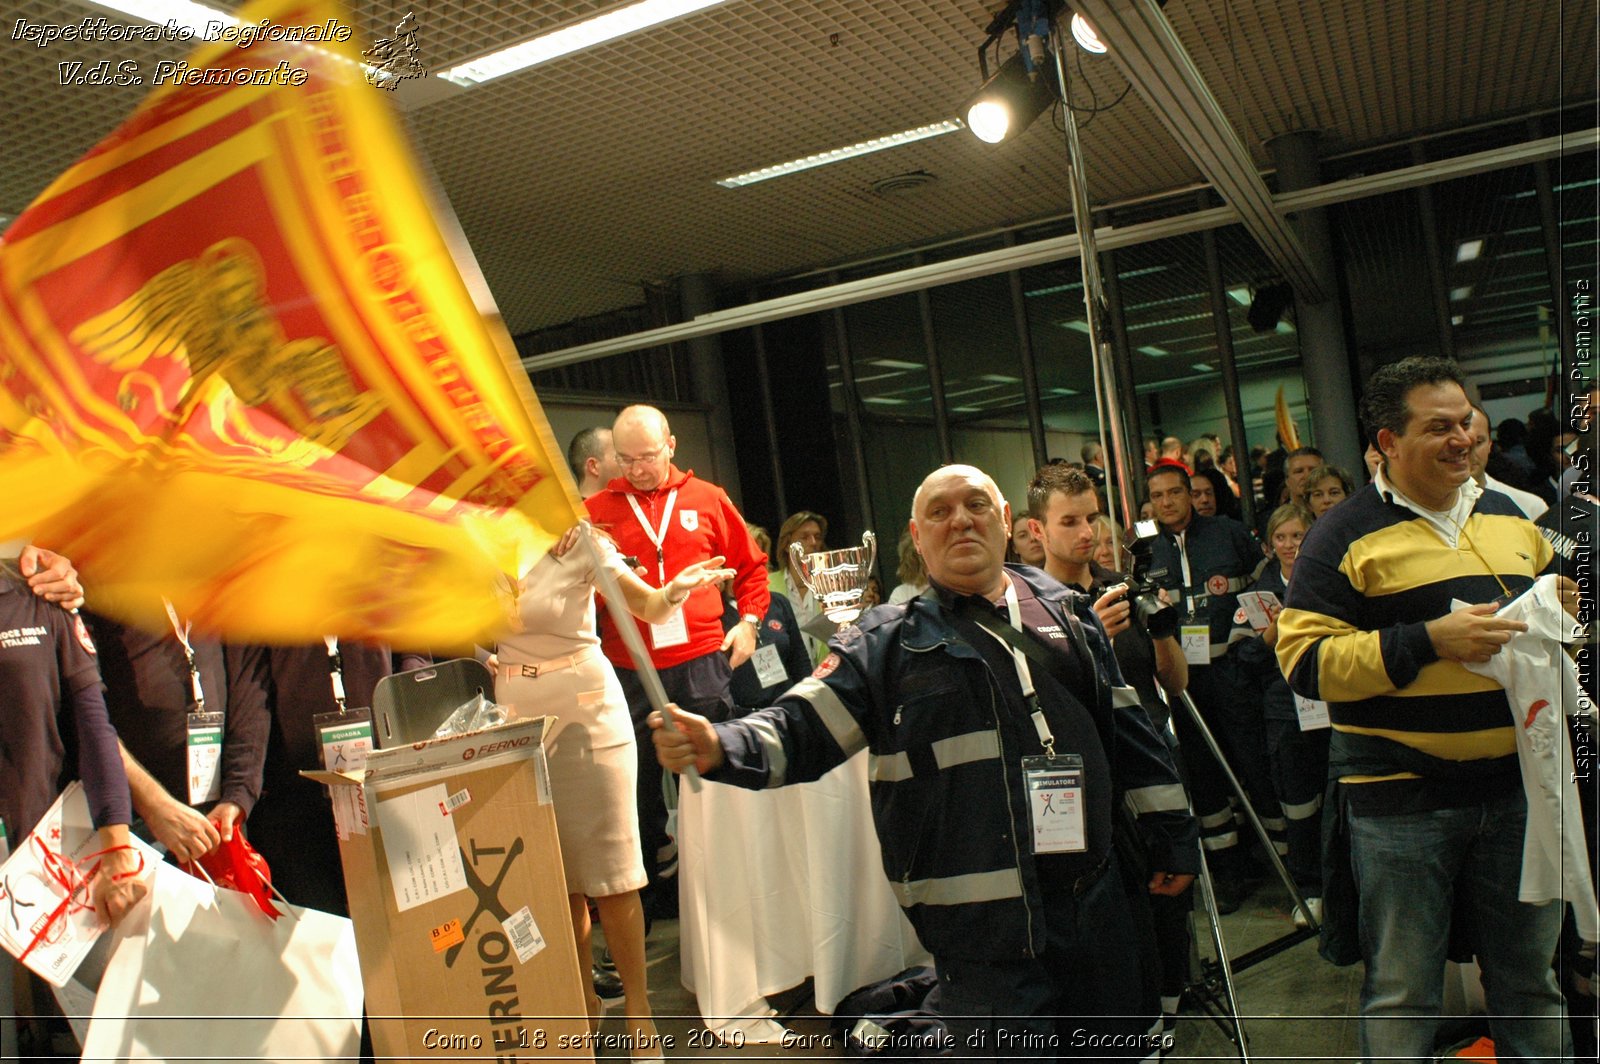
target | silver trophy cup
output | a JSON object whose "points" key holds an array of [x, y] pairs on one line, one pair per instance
{"points": [[838, 578]]}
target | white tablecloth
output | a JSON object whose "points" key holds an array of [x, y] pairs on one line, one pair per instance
{"points": [[780, 885]]}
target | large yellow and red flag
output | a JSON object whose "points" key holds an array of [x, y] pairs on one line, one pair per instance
{"points": [[239, 367]]}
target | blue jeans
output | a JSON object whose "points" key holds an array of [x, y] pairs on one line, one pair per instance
{"points": [[1413, 872]]}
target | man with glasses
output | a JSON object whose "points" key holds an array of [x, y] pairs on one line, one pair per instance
{"points": [[670, 519]]}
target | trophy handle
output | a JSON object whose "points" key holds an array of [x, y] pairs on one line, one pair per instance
{"points": [[797, 554], [869, 543]]}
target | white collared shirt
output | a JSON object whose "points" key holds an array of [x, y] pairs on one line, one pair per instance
{"points": [[1526, 501], [1445, 522]]}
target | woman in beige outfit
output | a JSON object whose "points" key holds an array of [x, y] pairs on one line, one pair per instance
{"points": [[551, 665]]}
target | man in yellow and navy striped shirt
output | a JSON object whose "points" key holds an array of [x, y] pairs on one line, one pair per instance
{"points": [[1424, 750]]}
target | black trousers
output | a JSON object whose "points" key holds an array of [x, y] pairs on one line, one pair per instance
{"points": [[700, 686], [1232, 710], [292, 827], [1088, 996]]}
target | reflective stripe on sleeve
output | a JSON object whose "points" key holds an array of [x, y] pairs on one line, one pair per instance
{"points": [[1163, 798], [840, 724], [772, 743]]}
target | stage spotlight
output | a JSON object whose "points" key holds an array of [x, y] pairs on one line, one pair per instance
{"points": [[1267, 306], [1085, 35], [1010, 101]]}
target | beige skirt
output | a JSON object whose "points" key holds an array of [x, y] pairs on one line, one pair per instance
{"points": [[593, 771]]}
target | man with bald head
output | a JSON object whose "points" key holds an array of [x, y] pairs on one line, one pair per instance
{"points": [[1005, 742], [670, 519]]}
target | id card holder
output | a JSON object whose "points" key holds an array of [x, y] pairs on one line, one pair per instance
{"points": [[345, 740], [769, 666], [1313, 714], [204, 757], [1055, 802], [1196, 642], [674, 632]]}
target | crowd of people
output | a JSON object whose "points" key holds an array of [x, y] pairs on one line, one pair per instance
{"points": [[1041, 787]]}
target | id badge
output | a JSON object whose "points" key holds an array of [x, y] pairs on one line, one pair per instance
{"points": [[769, 666], [1313, 714], [1055, 802], [674, 632], [345, 740], [1196, 642], [204, 757]]}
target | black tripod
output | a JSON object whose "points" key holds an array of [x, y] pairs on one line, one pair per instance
{"points": [[1213, 991]]}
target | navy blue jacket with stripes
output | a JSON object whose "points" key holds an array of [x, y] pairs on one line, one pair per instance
{"points": [[947, 793]]}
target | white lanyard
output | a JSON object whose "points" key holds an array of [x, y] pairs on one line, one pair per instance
{"points": [[335, 669], [657, 535], [1025, 674], [182, 632], [1183, 557]]}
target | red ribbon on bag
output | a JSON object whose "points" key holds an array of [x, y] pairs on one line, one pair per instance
{"points": [[237, 865], [70, 879]]}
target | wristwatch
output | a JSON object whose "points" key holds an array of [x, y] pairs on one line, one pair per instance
{"points": [[751, 619]]}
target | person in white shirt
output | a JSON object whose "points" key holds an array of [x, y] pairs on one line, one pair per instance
{"points": [[1478, 461]]}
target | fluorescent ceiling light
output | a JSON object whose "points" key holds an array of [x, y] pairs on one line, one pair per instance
{"points": [[1468, 250], [1178, 320], [183, 12], [998, 378], [972, 391], [1283, 328], [884, 400], [612, 25], [1124, 275], [1153, 351], [1240, 295], [967, 409], [1053, 289], [1559, 188], [865, 147], [1063, 391], [196, 17], [1458, 294], [895, 363], [1076, 326], [1202, 367], [1456, 319]]}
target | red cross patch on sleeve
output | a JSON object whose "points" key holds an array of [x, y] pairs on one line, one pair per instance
{"points": [[81, 630]]}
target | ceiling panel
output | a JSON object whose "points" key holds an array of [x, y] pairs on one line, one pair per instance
{"points": [[579, 180]]}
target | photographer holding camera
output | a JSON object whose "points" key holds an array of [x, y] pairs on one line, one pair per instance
{"points": [[1062, 506]]}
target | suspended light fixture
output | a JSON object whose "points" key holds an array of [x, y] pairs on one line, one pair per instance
{"points": [[1009, 101]]}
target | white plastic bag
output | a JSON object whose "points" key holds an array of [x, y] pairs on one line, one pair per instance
{"points": [[200, 966]]}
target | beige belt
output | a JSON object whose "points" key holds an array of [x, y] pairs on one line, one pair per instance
{"points": [[534, 670]]}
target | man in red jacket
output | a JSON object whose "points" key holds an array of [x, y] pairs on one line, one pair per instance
{"points": [[669, 519]]}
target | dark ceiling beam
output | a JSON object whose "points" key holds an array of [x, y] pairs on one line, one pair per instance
{"points": [[1144, 45]]}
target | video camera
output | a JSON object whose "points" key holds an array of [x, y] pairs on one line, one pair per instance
{"points": [[1159, 618]]}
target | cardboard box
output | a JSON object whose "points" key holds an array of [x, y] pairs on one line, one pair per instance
{"points": [[459, 900]]}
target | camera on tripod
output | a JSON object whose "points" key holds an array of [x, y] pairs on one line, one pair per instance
{"points": [[1159, 618]]}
